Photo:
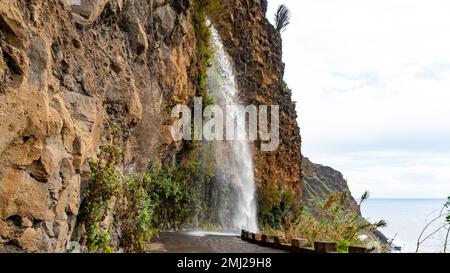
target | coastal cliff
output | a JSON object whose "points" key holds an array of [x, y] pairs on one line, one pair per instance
{"points": [[319, 183], [73, 71]]}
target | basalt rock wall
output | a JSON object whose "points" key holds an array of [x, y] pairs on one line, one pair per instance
{"points": [[69, 72], [73, 70], [256, 48]]}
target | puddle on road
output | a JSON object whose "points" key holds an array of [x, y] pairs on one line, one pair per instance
{"points": [[211, 233]]}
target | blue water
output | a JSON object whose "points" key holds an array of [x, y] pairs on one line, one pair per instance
{"points": [[406, 218]]}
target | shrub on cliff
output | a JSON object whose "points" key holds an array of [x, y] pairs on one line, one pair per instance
{"points": [[175, 193], [334, 223], [204, 9], [135, 214], [286, 90], [96, 206], [132, 206], [275, 205]]}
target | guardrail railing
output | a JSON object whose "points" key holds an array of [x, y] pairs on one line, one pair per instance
{"points": [[298, 245]]}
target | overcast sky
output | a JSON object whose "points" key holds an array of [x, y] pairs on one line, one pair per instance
{"points": [[372, 82]]}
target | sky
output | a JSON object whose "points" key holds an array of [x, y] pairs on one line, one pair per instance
{"points": [[371, 79]]}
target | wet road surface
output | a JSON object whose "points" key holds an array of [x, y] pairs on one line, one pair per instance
{"points": [[199, 242]]}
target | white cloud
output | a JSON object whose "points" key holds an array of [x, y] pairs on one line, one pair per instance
{"points": [[370, 76], [394, 174]]}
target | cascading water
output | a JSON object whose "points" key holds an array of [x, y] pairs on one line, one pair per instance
{"points": [[234, 163]]}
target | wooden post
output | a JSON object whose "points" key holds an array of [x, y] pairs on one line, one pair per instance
{"points": [[243, 236], [297, 243], [277, 240], [255, 237], [324, 247], [266, 238]]}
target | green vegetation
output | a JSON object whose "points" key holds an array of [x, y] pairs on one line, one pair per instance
{"points": [[275, 205], [135, 214], [104, 185], [132, 208], [334, 223], [203, 49], [342, 246], [163, 197], [286, 89], [203, 9], [175, 192]]}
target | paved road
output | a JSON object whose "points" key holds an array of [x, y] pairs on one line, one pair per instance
{"points": [[197, 242]]}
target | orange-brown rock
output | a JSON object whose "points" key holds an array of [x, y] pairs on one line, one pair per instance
{"points": [[256, 49], [69, 70]]}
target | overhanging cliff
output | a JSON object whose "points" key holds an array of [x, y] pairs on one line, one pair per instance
{"points": [[256, 48], [72, 70]]}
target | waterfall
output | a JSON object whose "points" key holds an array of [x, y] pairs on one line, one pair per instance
{"points": [[234, 163]]}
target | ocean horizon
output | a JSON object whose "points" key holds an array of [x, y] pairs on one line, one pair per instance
{"points": [[406, 218]]}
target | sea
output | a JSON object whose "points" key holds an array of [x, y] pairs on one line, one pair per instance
{"points": [[406, 218]]}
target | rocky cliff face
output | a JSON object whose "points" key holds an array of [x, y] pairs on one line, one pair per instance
{"points": [[67, 74], [72, 70], [319, 182], [256, 48]]}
